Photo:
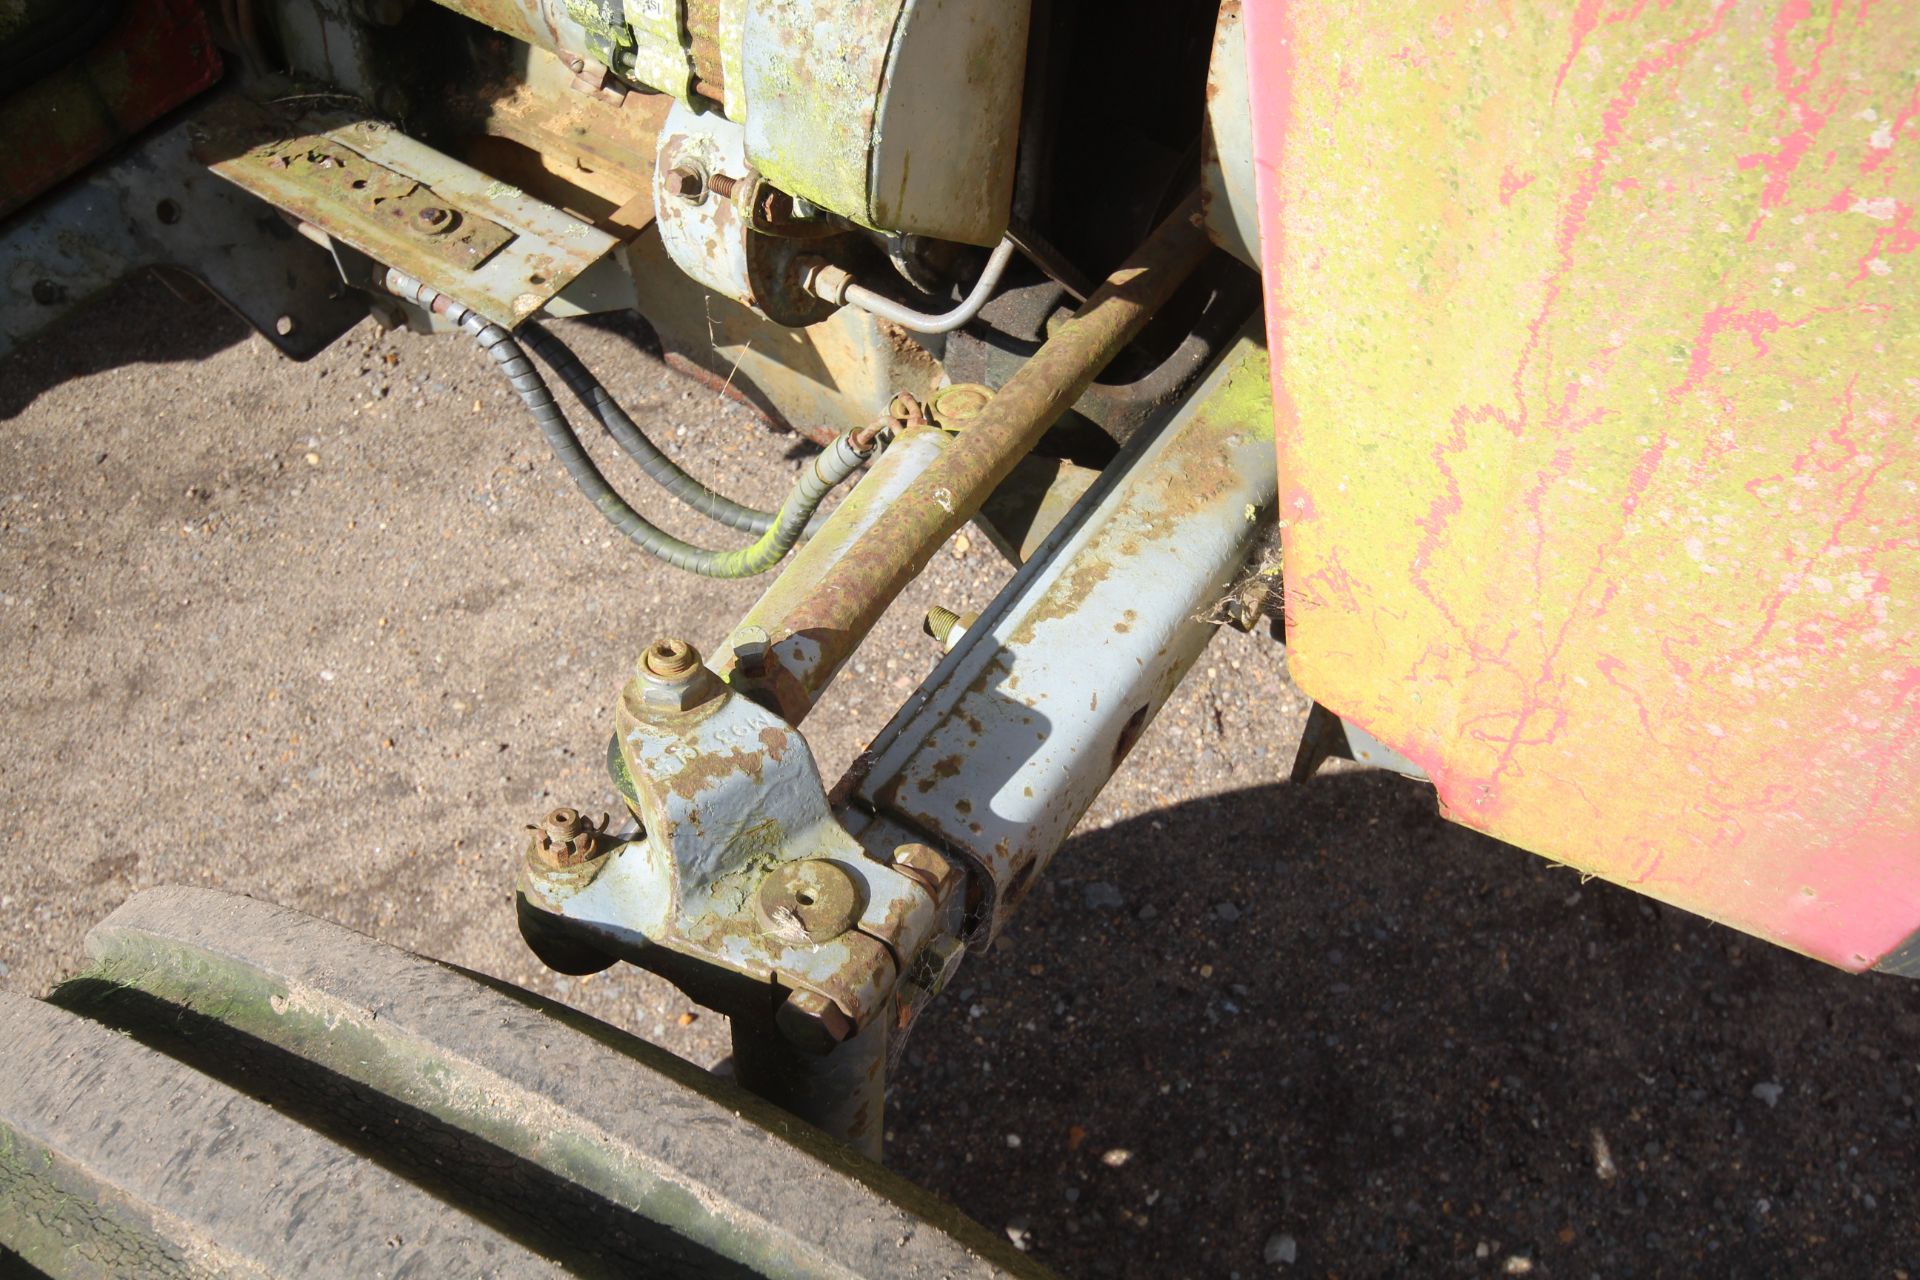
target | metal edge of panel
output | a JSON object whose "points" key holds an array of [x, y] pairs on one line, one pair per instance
{"points": [[1903, 961]]}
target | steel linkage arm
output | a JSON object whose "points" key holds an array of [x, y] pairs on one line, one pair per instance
{"points": [[837, 586]]}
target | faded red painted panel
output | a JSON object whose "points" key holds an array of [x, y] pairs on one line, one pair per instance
{"points": [[157, 55], [1596, 337]]}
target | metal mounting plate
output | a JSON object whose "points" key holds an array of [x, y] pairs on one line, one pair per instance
{"points": [[368, 185]]}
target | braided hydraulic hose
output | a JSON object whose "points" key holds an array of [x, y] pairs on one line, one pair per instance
{"points": [[839, 460], [658, 466]]}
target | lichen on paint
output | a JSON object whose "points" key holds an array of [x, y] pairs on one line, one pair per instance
{"points": [[1595, 346]]}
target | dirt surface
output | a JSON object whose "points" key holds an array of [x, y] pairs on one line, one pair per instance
{"points": [[332, 633]]}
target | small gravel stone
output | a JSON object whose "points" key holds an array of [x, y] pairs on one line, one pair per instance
{"points": [[1281, 1251], [1020, 1231], [1227, 911], [1102, 896], [1769, 1093]]}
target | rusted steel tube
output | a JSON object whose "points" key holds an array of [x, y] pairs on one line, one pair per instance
{"points": [[839, 584]]}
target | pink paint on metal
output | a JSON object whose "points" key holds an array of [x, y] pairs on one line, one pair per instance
{"points": [[1596, 351]]}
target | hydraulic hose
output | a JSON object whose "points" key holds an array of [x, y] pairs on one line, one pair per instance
{"points": [[838, 461], [661, 469]]}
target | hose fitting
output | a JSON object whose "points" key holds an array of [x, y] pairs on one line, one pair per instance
{"points": [[838, 461]]}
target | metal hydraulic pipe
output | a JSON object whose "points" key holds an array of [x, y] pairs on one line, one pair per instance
{"points": [[836, 285], [838, 585]]}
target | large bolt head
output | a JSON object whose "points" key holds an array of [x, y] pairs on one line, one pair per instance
{"points": [[813, 1023], [926, 865]]}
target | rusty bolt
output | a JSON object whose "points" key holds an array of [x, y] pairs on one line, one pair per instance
{"points": [[951, 406], [434, 218], [670, 658], [946, 626], [566, 838], [687, 182], [925, 865], [564, 853], [672, 677], [751, 649], [812, 1022], [721, 185]]}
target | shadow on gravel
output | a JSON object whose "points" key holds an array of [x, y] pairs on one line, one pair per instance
{"points": [[142, 320], [1322, 1023]]}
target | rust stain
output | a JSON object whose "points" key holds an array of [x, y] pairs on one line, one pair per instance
{"points": [[701, 773], [775, 741]]}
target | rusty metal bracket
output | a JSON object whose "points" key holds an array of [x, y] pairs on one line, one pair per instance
{"points": [[742, 887], [365, 184]]}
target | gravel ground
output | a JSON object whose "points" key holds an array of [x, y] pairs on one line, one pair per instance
{"points": [[332, 633]]}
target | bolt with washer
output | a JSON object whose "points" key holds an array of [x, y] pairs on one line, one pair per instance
{"points": [[672, 677]]}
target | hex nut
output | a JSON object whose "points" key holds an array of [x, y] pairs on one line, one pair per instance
{"points": [[752, 648], [672, 677], [929, 867], [678, 695], [813, 1023]]}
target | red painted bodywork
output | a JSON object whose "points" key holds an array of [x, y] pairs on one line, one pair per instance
{"points": [[158, 55], [1596, 350]]}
